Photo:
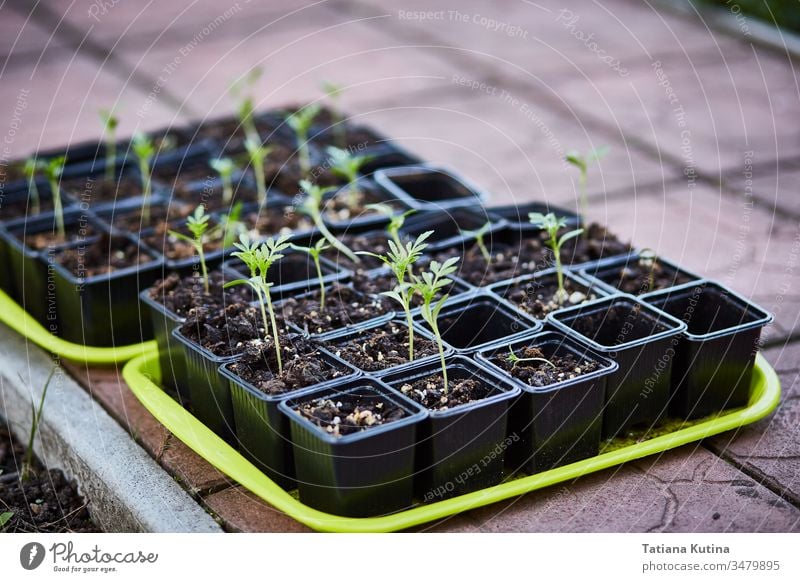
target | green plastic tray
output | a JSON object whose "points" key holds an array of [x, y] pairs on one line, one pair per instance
{"points": [[143, 375]]}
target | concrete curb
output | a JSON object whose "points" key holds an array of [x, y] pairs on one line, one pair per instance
{"points": [[128, 491]]}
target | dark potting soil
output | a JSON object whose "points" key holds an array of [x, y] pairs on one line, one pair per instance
{"points": [[538, 298], [507, 261], [176, 249], [74, 232], [97, 189], [635, 279], [178, 177], [18, 208], [349, 204], [354, 135], [382, 348], [275, 220], [105, 255], [132, 220], [374, 284], [357, 243], [596, 243], [181, 295], [210, 195], [343, 307], [224, 332], [302, 365], [539, 373], [231, 136], [429, 392], [350, 413], [282, 171], [45, 503], [617, 324]]}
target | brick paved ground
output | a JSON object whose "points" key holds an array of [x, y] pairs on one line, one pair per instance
{"points": [[705, 148]]}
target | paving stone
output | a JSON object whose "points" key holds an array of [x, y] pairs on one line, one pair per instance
{"points": [[241, 511], [686, 490], [23, 39], [194, 472], [773, 183], [57, 102], [704, 115], [296, 60]]}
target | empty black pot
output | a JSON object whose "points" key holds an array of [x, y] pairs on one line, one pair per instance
{"points": [[366, 473], [639, 338], [559, 423], [517, 216], [460, 449], [621, 274], [714, 358], [428, 187]]}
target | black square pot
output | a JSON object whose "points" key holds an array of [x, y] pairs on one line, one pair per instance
{"points": [[639, 338], [27, 275], [449, 228], [429, 187], [517, 216], [470, 323], [370, 220], [209, 393], [103, 310], [606, 273], [714, 358], [387, 155], [294, 274], [171, 359], [522, 292], [363, 474], [263, 433], [461, 449], [15, 202], [560, 423]]}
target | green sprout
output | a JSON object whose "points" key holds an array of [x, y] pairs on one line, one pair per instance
{"points": [[245, 110], [231, 225], [396, 221], [110, 124], [259, 259], [347, 166], [647, 262], [314, 252], [5, 517], [225, 168], [429, 286], [198, 225], [582, 162], [257, 154], [36, 419], [334, 93], [31, 168], [311, 206], [399, 259], [144, 149], [300, 121], [552, 224], [53, 170], [515, 359], [480, 236]]}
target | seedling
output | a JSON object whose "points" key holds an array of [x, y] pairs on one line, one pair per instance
{"points": [[399, 259], [480, 235], [31, 168], [515, 359], [314, 252], [647, 262], [53, 170], [259, 259], [300, 121], [552, 224], [334, 93], [347, 166], [225, 168], [246, 106], [429, 285], [231, 225], [257, 154], [582, 162], [396, 221], [36, 418], [311, 206], [198, 225], [110, 124], [5, 517], [144, 149]]}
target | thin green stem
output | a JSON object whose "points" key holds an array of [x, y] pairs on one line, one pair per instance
{"points": [[147, 182], [261, 182], [304, 156], [227, 189], [58, 209], [27, 462], [410, 323], [111, 158], [321, 282], [484, 251], [335, 243], [36, 205], [440, 344], [274, 331], [202, 255], [582, 180]]}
